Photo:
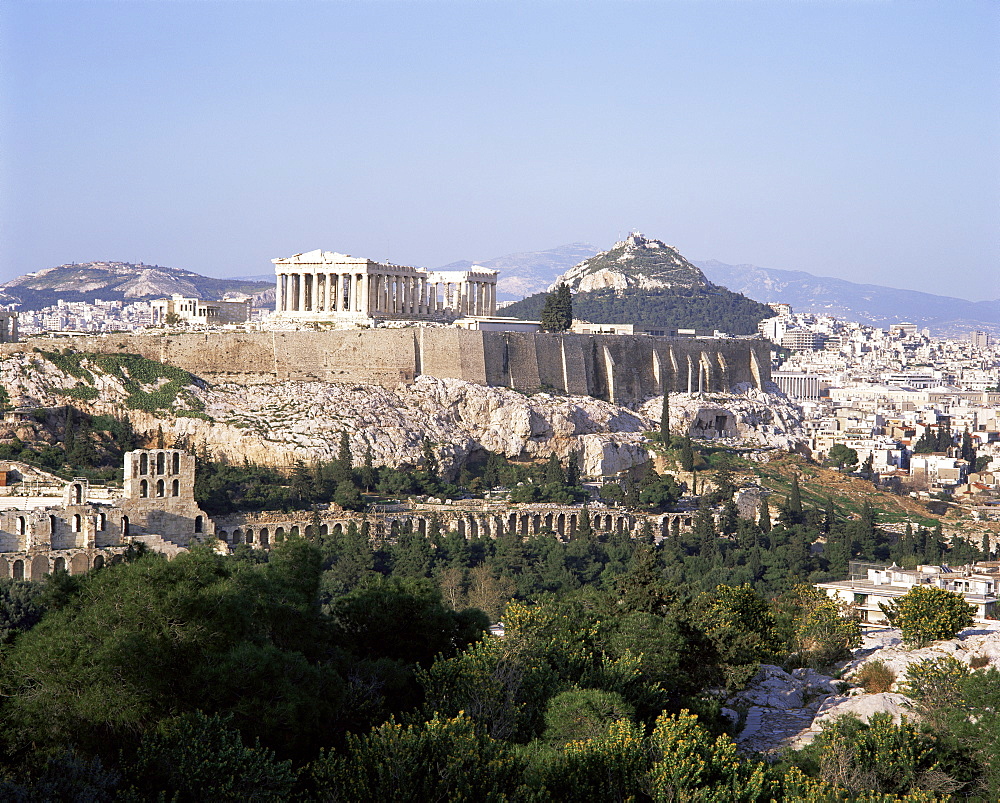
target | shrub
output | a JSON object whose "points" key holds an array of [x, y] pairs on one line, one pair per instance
{"points": [[936, 682], [926, 613], [875, 677]]}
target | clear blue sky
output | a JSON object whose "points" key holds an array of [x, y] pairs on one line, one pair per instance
{"points": [[853, 139]]}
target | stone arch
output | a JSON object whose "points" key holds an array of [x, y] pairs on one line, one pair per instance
{"points": [[124, 525], [461, 527], [561, 524], [249, 536], [222, 535], [525, 522], [99, 562], [17, 570], [143, 489], [422, 526], [143, 463], [573, 523], [53, 525], [549, 522], [308, 531], [324, 529], [237, 536], [77, 522], [22, 525], [338, 529], [4, 568], [102, 522], [59, 564], [294, 531], [263, 537], [39, 567], [78, 564], [159, 488], [199, 524], [76, 494], [473, 527], [175, 488], [279, 535], [536, 523], [159, 463], [176, 463]]}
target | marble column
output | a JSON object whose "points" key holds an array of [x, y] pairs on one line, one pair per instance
{"points": [[279, 293]]}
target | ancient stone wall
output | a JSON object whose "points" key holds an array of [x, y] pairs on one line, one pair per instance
{"points": [[617, 368]]}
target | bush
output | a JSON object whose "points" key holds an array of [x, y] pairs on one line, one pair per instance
{"points": [[936, 682], [926, 613], [875, 677]]}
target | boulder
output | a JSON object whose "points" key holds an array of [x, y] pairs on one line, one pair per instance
{"points": [[864, 706]]}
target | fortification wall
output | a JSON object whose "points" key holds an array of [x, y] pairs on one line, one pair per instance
{"points": [[619, 368]]}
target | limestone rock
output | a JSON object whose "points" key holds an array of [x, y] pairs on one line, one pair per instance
{"points": [[864, 706]]}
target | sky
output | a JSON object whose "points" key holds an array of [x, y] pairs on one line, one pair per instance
{"points": [[858, 139]]}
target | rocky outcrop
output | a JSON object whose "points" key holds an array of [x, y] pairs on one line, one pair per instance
{"points": [[280, 423]]}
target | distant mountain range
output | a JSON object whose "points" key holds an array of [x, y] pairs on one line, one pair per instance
{"points": [[865, 303], [123, 281], [526, 273]]}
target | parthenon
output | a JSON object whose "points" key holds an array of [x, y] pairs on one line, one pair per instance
{"points": [[328, 286]]}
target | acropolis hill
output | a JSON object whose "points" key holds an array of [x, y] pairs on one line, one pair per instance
{"points": [[617, 368]]}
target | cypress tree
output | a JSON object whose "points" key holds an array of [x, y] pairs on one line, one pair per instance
{"points": [[557, 314], [665, 415], [583, 527], [764, 516], [795, 499], [687, 454]]}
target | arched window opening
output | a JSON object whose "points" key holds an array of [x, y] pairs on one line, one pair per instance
{"points": [[101, 522], [143, 463], [53, 524], [199, 523], [175, 488], [21, 525], [77, 523], [159, 487], [124, 525], [59, 565], [176, 463], [143, 489], [18, 569], [159, 462], [77, 494], [99, 562]]}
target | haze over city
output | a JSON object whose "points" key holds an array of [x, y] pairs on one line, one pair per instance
{"points": [[848, 139]]}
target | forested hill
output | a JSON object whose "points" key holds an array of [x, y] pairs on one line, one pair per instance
{"points": [[647, 282], [685, 308]]}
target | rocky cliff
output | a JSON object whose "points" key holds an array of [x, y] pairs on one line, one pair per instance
{"points": [[280, 423]]}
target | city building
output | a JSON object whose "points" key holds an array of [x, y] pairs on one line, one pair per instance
{"points": [[180, 309]]}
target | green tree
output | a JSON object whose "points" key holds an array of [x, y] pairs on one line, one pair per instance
{"points": [[927, 613], [687, 455], [665, 414], [841, 455], [557, 314], [443, 759], [743, 629], [580, 714], [690, 765], [195, 756]]}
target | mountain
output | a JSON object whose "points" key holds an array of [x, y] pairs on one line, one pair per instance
{"points": [[635, 262], [865, 303], [529, 272], [648, 283], [122, 281]]}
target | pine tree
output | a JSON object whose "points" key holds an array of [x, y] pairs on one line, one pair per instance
{"points": [[367, 475], [583, 527], [557, 314]]}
